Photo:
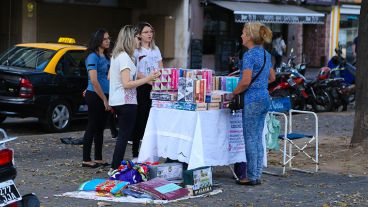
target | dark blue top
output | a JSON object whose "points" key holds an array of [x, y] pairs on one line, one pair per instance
{"points": [[253, 60], [102, 65]]}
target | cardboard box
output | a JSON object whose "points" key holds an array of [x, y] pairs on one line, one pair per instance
{"points": [[168, 96], [214, 98], [200, 91], [181, 89], [189, 90], [201, 106], [213, 106], [199, 180], [167, 171]]}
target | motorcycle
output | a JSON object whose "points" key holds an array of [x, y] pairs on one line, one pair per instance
{"points": [[340, 79], [9, 194], [302, 92], [290, 84]]}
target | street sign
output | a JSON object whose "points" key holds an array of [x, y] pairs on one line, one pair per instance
{"points": [[282, 19]]}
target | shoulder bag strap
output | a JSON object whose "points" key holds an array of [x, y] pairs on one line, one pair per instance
{"points": [[260, 71]]}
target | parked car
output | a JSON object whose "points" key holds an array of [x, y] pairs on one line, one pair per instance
{"points": [[43, 80]]}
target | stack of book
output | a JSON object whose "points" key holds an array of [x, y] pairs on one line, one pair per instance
{"points": [[193, 90]]}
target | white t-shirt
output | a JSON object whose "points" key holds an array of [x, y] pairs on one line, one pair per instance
{"points": [[147, 59], [279, 45], [117, 94]]}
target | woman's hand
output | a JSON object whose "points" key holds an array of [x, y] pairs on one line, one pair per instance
{"points": [[152, 76], [232, 95], [107, 106]]}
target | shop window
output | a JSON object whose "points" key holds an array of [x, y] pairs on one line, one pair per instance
{"points": [[348, 31]]}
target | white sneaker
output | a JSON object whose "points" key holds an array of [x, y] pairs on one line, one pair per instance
{"points": [[111, 172], [130, 142]]}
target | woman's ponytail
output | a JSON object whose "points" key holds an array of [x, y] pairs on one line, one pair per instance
{"points": [[265, 34], [258, 32]]}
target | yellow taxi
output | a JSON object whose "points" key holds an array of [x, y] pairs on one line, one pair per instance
{"points": [[44, 80]]}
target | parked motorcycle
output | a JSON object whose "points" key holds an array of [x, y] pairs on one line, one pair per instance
{"points": [[340, 79], [302, 92], [9, 194]]}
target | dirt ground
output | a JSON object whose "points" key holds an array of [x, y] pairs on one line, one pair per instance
{"points": [[335, 153]]}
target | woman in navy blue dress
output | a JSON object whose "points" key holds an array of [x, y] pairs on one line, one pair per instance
{"points": [[256, 98]]}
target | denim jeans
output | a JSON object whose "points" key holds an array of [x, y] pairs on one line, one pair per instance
{"points": [[254, 115]]}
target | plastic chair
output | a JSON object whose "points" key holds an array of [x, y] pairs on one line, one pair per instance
{"points": [[281, 107]]}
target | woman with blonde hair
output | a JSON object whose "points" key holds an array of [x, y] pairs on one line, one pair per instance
{"points": [[256, 73], [123, 84]]}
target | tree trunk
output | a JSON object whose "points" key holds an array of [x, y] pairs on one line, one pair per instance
{"points": [[360, 133]]}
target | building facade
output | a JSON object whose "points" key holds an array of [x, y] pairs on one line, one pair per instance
{"points": [[45, 20], [190, 33]]}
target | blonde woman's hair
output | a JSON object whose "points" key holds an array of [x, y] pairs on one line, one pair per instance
{"points": [[125, 41], [258, 32]]}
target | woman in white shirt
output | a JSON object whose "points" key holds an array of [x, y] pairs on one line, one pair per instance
{"points": [[123, 84], [147, 57]]}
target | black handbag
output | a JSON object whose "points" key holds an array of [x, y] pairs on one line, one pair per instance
{"points": [[237, 102]]}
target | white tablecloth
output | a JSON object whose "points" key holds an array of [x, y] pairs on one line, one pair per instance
{"points": [[199, 138]]}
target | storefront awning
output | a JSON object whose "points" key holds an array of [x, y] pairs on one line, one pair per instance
{"points": [[271, 13]]}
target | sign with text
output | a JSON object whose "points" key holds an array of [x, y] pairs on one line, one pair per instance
{"points": [[236, 138], [283, 19]]}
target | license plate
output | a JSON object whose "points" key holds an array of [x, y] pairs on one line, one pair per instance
{"points": [[8, 193]]}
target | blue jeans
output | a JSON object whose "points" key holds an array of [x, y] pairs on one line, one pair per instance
{"points": [[254, 115]]}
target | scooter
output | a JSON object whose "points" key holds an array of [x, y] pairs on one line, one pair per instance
{"points": [[9, 194]]}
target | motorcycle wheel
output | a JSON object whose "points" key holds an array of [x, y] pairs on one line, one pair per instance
{"points": [[323, 102]]}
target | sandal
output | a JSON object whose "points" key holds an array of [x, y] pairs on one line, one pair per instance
{"points": [[94, 165], [102, 163], [250, 182]]}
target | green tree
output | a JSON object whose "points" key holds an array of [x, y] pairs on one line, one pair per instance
{"points": [[360, 133]]}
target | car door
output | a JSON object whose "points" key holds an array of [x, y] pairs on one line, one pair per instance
{"points": [[72, 78]]}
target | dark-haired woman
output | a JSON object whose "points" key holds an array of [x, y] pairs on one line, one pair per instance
{"points": [[97, 64], [147, 57]]}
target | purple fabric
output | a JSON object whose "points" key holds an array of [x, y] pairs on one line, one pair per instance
{"points": [[132, 176], [240, 169]]}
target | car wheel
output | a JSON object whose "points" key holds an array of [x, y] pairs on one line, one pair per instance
{"points": [[2, 118], [57, 117]]}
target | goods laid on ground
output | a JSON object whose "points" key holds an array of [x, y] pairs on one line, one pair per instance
{"points": [[151, 181]]}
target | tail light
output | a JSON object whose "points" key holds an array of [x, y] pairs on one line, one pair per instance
{"points": [[26, 88], [6, 156], [13, 205]]}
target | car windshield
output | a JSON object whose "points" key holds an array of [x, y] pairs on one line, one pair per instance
{"points": [[27, 57]]}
